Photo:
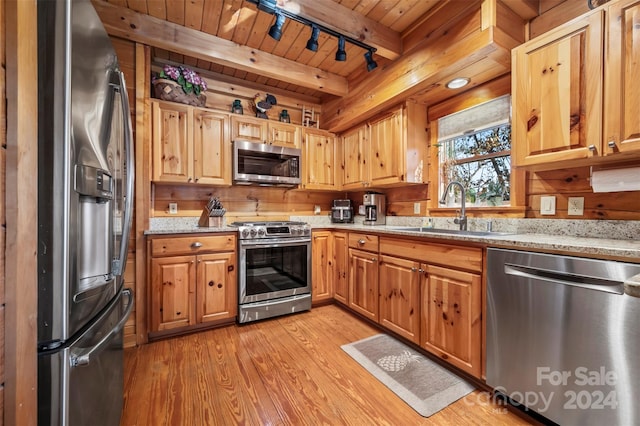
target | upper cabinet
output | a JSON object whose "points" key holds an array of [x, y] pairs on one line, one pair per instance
{"points": [[389, 150], [621, 89], [575, 98], [557, 94], [265, 131], [190, 145], [319, 159]]}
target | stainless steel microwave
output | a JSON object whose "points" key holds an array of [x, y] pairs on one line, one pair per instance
{"points": [[263, 164]]}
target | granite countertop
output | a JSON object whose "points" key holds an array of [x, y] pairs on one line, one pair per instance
{"points": [[570, 236]]}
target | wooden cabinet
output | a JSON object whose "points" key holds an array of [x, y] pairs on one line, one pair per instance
{"points": [[190, 145], [562, 79], [192, 280], [621, 88], [399, 282], [431, 294], [557, 94], [319, 159], [340, 256], [452, 324], [390, 150], [363, 274], [265, 131], [321, 266]]}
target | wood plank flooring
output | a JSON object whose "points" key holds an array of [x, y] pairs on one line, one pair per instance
{"points": [[284, 371]]}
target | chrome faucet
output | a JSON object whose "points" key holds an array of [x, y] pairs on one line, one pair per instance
{"points": [[462, 220]]}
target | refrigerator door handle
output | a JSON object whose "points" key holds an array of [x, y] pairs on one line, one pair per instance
{"points": [[84, 357], [120, 262]]}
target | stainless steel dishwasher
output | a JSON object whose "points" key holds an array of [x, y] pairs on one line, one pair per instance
{"points": [[563, 337]]}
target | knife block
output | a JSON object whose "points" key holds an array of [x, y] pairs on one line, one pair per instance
{"points": [[211, 219]]}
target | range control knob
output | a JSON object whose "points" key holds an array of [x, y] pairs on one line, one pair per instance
{"points": [[307, 231], [261, 232], [245, 233], [253, 232]]}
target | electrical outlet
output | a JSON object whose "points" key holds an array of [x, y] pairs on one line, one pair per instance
{"points": [[416, 208], [173, 208], [548, 205], [575, 206]]}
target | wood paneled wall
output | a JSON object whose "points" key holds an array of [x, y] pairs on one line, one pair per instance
{"points": [[241, 202], [3, 219]]}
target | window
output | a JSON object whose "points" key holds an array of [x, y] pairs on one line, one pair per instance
{"points": [[474, 148]]}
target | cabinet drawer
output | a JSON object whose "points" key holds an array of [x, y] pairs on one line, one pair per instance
{"points": [[363, 241], [171, 246], [468, 258]]}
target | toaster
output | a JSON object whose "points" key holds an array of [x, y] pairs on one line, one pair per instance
{"points": [[342, 211]]}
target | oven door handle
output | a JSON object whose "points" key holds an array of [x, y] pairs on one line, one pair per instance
{"points": [[274, 243]]}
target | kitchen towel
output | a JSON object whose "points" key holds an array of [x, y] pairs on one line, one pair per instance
{"points": [[424, 385]]}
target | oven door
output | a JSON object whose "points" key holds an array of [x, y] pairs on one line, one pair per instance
{"points": [[272, 269]]}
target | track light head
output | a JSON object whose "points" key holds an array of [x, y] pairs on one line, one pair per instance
{"points": [[312, 44], [341, 55], [371, 64], [276, 29]]}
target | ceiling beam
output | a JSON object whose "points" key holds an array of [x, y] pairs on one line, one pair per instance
{"points": [[341, 19], [127, 24]]}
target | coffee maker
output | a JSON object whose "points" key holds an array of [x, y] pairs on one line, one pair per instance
{"points": [[374, 208]]}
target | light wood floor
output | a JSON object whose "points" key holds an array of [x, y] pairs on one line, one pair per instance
{"points": [[284, 371]]}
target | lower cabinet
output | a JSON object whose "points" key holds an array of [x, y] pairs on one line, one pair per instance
{"points": [[192, 281], [321, 267], [399, 282], [363, 283], [452, 317], [340, 263]]}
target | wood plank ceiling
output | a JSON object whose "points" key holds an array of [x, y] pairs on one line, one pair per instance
{"points": [[379, 23]]}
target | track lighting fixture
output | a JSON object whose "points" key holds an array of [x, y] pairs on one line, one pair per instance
{"points": [[271, 7], [276, 29], [312, 44], [371, 64], [341, 55]]}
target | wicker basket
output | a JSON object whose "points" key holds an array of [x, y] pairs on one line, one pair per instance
{"points": [[169, 90]]}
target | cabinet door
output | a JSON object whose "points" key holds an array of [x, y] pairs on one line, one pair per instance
{"points": [[173, 292], [557, 94], [399, 282], [622, 91], [249, 129], [284, 134], [451, 325], [363, 283], [318, 163], [212, 148], [354, 163], [321, 266], [217, 287], [386, 152], [340, 256], [172, 142]]}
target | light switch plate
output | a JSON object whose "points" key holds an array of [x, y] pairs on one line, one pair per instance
{"points": [[173, 208], [416, 208], [575, 206], [548, 205]]}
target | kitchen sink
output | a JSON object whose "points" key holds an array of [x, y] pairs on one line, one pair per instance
{"points": [[453, 231]]}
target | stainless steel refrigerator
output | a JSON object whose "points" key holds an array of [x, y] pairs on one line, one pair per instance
{"points": [[85, 195]]}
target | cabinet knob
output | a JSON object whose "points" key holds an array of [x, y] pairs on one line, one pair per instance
{"points": [[196, 245], [421, 270], [361, 242], [612, 144], [373, 259], [592, 148], [189, 179], [414, 269]]}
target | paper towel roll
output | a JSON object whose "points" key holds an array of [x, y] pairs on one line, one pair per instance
{"points": [[616, 180]]}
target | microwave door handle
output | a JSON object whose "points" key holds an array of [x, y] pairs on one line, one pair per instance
{"points": [[120, 262]]}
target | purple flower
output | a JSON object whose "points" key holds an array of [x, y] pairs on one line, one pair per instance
{"points": [[188, 79]]}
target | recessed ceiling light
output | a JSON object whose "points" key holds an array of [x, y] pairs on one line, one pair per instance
{"points": [[457, 83]]}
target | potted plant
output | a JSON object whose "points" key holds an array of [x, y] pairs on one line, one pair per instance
{"points": [[180, 84]]}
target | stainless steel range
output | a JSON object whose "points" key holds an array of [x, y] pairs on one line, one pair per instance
{"points": [[275, 269]]}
